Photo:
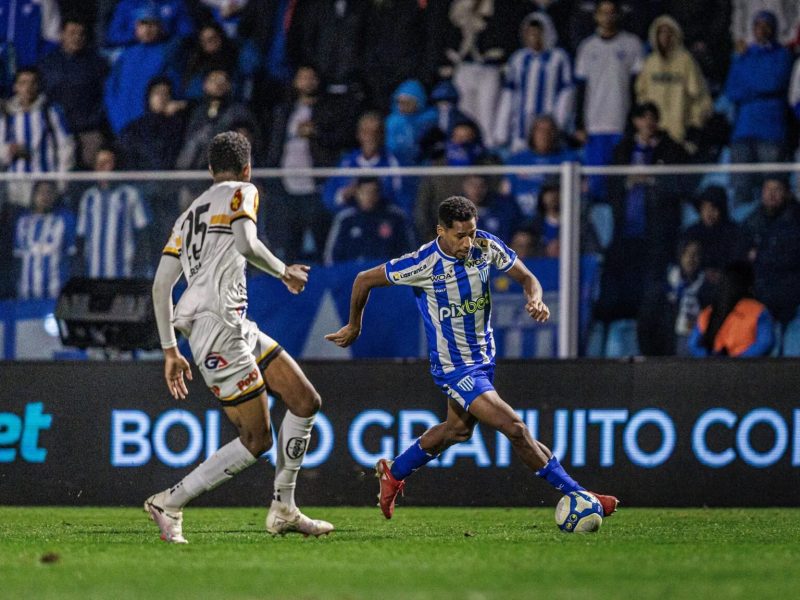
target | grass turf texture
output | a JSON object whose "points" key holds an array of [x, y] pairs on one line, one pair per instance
{"points": [[422, 553]]}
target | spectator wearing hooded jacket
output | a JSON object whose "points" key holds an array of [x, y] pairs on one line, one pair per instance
{"points": [[720, 238], [409, 120], [538, 81], [671, 79], [126, 86], [744, 11], [172, 14], [444, 98], [758, 84]]}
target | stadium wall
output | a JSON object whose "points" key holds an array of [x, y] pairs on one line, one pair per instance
{"points": [[655, 432]]}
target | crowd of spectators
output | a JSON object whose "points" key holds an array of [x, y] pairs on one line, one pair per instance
{"points": [[133, 85]]}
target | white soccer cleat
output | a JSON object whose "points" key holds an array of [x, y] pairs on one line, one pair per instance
{"points": [[282, 520], [170, 523]]}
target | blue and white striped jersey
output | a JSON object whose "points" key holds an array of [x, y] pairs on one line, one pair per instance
{"points": [[108, 220], [454, 299], [536, 83], [43, 244]]}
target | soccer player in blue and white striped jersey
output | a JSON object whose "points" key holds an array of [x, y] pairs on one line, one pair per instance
{"points": [[450, 278], [112, 224]]}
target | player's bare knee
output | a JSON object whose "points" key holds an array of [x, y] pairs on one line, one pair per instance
{"points": [[308, 403], [458, 434], [516, 432]]}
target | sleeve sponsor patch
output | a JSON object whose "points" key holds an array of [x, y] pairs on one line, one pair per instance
{"points": [[236, 201]]}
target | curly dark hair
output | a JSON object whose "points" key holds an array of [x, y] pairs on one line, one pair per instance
{"points": [[229, 152], [456, 208]]}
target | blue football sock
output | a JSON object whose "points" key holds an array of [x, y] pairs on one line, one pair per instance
{"points": [[410, 460], [556, 476]]}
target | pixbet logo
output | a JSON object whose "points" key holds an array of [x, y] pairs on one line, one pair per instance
{"points": [[468, 307], [25, 432]]}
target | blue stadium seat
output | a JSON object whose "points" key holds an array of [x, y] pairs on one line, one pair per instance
{"points": [[791, 338], [622, 340]]}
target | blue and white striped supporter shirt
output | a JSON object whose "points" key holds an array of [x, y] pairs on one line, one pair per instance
{"points": [[454, 299], [43, 244], [108, 220]]}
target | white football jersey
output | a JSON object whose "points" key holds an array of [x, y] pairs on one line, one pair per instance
{"points": [[202, 239]]}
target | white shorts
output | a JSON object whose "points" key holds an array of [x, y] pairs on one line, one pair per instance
{"points": [[232, 359]]}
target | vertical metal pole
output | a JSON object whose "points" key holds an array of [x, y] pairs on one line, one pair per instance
{"points": [[569, 260]]}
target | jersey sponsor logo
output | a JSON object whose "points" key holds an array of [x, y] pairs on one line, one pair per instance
{"points": [[468, 307], [236, 201], [475, 262], [407, 274], [466, 384], [215, 361], [248, 380], [443, 276], [295, 447]]}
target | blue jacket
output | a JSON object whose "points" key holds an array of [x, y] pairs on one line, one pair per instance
{"points": [[525, 188], [404, 131], [391, 187], [126, 87], [758, 83], [27, 37], [368, 236]]}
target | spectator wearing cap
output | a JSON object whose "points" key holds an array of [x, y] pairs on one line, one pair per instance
{"points": [[538, 81], [758, 84], [720, 238], [73, 77], [444, 98], [171, 14], [544, 148], [672, 80], [772, 236], [340, 191], [137, 64], [371, 230]]}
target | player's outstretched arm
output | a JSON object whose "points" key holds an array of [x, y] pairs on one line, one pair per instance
{"points": [[534, 304], [245, 235], [175, 365], [365, 281]]}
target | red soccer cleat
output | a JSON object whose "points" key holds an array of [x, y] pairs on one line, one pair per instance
{"points": [[390, 487], [609, 503]]}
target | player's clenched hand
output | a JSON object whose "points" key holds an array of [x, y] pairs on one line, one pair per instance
{"points": [[345, 336], [175, 367], [538, 310], [296, 277]]}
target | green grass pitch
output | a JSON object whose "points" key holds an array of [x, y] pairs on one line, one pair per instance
{"points": [[463, 553]]}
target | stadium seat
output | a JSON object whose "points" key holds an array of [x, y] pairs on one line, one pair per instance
{"points": [[791, 338], [622, 340], [602, 219]]}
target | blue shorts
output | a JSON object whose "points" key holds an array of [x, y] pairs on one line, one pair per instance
{"points": [[465, 385]]}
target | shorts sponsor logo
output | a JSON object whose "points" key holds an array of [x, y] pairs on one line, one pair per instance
{"points": [[468, 307], [215, 361], [215, 390], [249, 380], [466, 384], [295, 447]]}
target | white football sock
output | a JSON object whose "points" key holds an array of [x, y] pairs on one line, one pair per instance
{"points": [[292, 445], [221, 466]]}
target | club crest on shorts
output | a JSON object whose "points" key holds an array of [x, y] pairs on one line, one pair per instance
{"points": [[295, 447], [236, 201], [467, 384]]}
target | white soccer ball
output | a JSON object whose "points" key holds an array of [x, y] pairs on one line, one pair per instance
{"points": [[579, 512]]}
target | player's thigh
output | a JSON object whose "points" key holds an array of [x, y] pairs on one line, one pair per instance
{"points": [[490, 409], [286, 380], [251, 417]]}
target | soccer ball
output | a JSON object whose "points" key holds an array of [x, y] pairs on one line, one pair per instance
{"points": [[579, 512]]}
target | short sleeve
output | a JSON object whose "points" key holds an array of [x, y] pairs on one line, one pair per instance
{"points": [[174, 243], [244, 203], [497, 253], [581, 71], [409, 269], [637, 50]]}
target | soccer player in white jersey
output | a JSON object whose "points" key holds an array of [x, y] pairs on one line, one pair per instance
{"points": [[211, 243], [450, 277]]}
